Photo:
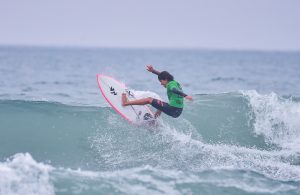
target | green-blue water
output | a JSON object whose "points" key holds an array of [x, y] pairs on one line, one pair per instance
{"points": [[59, 136]]}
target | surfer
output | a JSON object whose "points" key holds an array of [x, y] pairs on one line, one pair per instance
{"points": [[174, 92]]}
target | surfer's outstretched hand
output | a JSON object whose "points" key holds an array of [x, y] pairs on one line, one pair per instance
{"points": [[150, 68], [189, 98]]}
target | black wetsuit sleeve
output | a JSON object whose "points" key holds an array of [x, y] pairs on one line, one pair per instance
{"points": [[156, 72], [176, 91]]}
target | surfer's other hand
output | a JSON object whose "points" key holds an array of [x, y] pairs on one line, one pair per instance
{"points": [[150, 68], [189, 98]]}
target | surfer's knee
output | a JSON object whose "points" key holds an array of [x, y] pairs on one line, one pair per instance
{"points": [[149, 100]]}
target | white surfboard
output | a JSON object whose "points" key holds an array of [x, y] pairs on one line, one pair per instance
{"points": [[112, 90]]}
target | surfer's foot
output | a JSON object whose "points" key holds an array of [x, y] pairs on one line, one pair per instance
{"points": [[124, 99]]}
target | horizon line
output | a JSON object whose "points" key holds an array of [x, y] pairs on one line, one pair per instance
{"points": [[149, 48]]}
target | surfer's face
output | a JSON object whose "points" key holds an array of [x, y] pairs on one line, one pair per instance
{"points": [[163, 82]]}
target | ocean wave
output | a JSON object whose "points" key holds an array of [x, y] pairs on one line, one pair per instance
{"points": [[244, 118], [152, 180], [24, 175], [224, 134]]}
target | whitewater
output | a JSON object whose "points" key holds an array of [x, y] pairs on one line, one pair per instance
{"points": [[240, 135]]}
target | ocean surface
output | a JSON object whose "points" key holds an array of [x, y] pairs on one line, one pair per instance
{"points": [[240, 135]]}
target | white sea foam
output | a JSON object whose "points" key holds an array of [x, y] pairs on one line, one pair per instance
{"points": [[277, 119], [21, 174]]}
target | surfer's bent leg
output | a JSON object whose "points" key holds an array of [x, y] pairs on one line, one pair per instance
{"points": [[144, 101], [166, 108]]}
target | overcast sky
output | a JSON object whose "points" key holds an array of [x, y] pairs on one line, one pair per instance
{"points": [[213, 24]]}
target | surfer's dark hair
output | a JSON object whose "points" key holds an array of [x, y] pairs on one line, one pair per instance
{"points": [[164, 75]]}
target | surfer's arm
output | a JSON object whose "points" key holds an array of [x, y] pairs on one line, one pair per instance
{"points": [[178, 92], [151, 69]]}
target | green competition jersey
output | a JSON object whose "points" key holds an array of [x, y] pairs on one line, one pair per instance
{"points": [[174, 99]]}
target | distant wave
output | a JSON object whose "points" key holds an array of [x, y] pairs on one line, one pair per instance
{"points": [[228, 79]]}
